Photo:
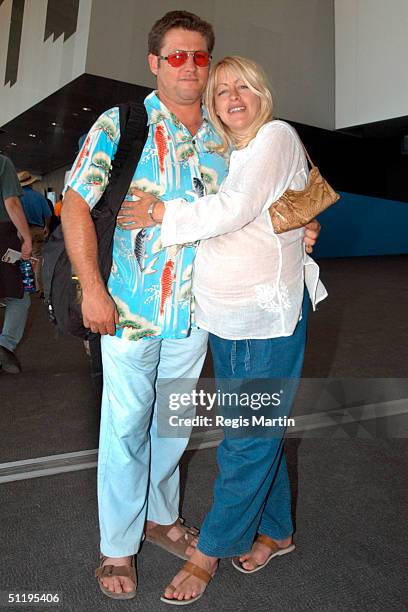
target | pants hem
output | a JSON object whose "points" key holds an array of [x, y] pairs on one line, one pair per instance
{"points": [[107, 553], [160, 522], [222, 552], [270, 533]]}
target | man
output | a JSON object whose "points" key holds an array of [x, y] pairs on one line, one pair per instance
{"points": [[145, 316], [12, 220], [38, 214]]}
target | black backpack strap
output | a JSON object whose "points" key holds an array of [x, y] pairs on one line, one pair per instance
{"points": [[133, 135], [134, 131]]}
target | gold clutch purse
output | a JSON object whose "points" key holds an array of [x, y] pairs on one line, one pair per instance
{"points": [[295, 209]]}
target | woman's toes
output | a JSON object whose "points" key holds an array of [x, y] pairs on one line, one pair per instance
{"points": [[248, 565], [188, 594]]}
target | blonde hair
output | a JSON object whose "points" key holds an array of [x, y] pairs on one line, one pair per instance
{"points": [[254, 77]]}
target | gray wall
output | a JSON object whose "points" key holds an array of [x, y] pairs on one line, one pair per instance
{"points": [[43, 66], [292, 39], [371, 61]]}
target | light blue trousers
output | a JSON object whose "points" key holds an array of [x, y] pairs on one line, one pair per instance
{"points": [[15, 319], [138, 475]]}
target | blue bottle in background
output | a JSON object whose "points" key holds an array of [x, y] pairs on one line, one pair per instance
{"points": [[27, 275]]}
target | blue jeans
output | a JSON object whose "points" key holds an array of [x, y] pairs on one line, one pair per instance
{"points": [[15, 319], [252, 492]]}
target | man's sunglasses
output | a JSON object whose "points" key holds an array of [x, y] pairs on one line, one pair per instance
{"points": [[178, 58]]}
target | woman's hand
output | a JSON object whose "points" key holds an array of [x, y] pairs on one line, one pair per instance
{"points": [[134, 215]]}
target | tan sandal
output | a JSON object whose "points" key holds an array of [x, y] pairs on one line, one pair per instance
{"points": [[193, 570], [158, 535], [276, 551], [121, 571]]}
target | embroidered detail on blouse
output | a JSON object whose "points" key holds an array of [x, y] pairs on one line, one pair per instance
{"points": [[267, 297]]}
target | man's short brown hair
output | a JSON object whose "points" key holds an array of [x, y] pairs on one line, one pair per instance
{"points": [[183, 20]]}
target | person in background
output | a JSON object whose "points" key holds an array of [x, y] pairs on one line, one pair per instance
{"points": [[38, 214], [56, 214], [58, 207], [14, 234]]}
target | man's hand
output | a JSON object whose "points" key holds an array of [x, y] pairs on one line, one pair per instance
{"points": [[26, 248], [15, 211], [134, 215], [99, 311], [312, 231]]}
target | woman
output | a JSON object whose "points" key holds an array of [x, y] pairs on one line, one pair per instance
{"points": [[249, 290]]}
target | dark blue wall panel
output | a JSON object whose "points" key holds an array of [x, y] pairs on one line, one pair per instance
{"points": [[359, 225]]}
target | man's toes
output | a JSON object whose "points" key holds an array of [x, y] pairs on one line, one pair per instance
{"points": [[127, 585], [108, 584]]}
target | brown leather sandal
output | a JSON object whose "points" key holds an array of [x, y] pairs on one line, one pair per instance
{"points": [[124, 571], [276, 551], [193, 570], [158, 535]]}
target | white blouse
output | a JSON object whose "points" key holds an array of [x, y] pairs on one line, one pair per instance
{"points": [[248, 281]]}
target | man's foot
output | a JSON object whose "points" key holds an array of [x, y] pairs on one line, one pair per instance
{"points": [[177, 539], [8, 361], [114, 582], [261, 552], [187, 585]]}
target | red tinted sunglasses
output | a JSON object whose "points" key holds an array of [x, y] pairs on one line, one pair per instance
{"points": [[178, 58]]}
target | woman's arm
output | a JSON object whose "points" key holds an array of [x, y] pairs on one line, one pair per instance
{"points": [[255, 180]]}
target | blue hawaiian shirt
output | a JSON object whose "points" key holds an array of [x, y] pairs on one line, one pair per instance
{"points": [[151, 285]]}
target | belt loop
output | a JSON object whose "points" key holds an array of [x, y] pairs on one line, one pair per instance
{"points": [[233, 355], [247, 362]]}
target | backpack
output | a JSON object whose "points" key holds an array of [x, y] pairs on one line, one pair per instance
{"points": [[62, 291]]}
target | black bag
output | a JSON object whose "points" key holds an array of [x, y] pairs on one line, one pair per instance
{"points": [[11, 284], [62, 290]]}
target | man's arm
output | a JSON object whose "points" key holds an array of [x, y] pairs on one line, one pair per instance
{"points": [[15, 211], [98, 308], [312, 232], [47, 214], [47, 223]]}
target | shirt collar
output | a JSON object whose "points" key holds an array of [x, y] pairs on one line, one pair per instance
{"points": [[157, 111]]}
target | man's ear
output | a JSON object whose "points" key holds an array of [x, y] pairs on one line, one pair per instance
{"points": [[153, 63]]}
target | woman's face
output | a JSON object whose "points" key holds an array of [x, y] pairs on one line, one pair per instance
{"points": [[235, 104]]}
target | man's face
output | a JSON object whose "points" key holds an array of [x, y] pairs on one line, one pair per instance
{"points": [[184, 85]]}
